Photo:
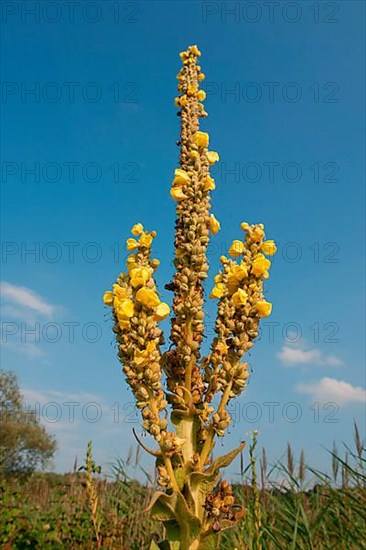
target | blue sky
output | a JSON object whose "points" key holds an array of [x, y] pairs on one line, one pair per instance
{"points": [[285, 101]]}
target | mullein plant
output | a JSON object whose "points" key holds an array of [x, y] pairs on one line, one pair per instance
{"points": [[182, 416]]}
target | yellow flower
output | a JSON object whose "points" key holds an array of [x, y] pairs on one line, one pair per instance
{"points": [[209, 183], [146, 240], [181, 177], [201, 95], [201, 139], [177, 101], [218, 278], [125, 309], [201, 76], [236, 274], [236, 249], [245, 226], [269, 248], [108, 298], [194, 154], [119, 292], [191, 90], [137, 229], [183, 100], [141, 357], [195, 50], [257, 234], [131, 244], [260, 266], [212, 157], [147, 297], [214, 225], [263, 308], [139, 276], [123, 323], [162, 311], [177, 194], [240, 298], [218, 291], [131, 262]]}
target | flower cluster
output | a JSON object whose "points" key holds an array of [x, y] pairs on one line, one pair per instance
{"points": [[137, 309], [191, 187], [220, 505], [239, 289]]}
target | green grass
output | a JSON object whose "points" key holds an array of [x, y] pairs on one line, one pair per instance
{"points": [[288, 506]]}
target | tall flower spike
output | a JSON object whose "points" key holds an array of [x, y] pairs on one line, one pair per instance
{"points": [[191, 186], [136, 310], [196, 505]]}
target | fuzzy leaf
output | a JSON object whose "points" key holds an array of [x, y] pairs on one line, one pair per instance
{"points": [[162, 506], [225, 460]]}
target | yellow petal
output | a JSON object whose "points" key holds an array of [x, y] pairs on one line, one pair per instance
{"points": [[181, 177], [119, 292], [263, 308], [236, 249], [240, 298], [162, 311], [125, 309], [137, 229], [191, 90], [147, 297], [209, 183], [269, 248], [214, 225], [195, 50], [212, 157], [260, 265], [201, 95], [146, 240], [131, 244], [139, 276], [201, 76], [177, 194], [131, 262], [124, 323], [201, 139], [257, 234], [108, 298], [218, 291], [235, 276]]}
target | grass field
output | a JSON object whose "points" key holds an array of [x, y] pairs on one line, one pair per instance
{"points": [[288, 506]]}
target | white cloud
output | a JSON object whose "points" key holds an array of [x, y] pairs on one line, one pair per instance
{"points": [[26, 348], [27, 298], [331, 390], [297, 356]]}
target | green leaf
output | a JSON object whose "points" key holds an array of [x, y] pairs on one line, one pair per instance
{"points": [[225, 460], [173, 534], [162, 506]]}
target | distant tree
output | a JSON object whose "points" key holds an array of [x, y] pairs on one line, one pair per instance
{"points": [[25, 445]]}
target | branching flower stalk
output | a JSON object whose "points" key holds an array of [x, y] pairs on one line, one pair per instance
{"points": [[182, 417]]}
